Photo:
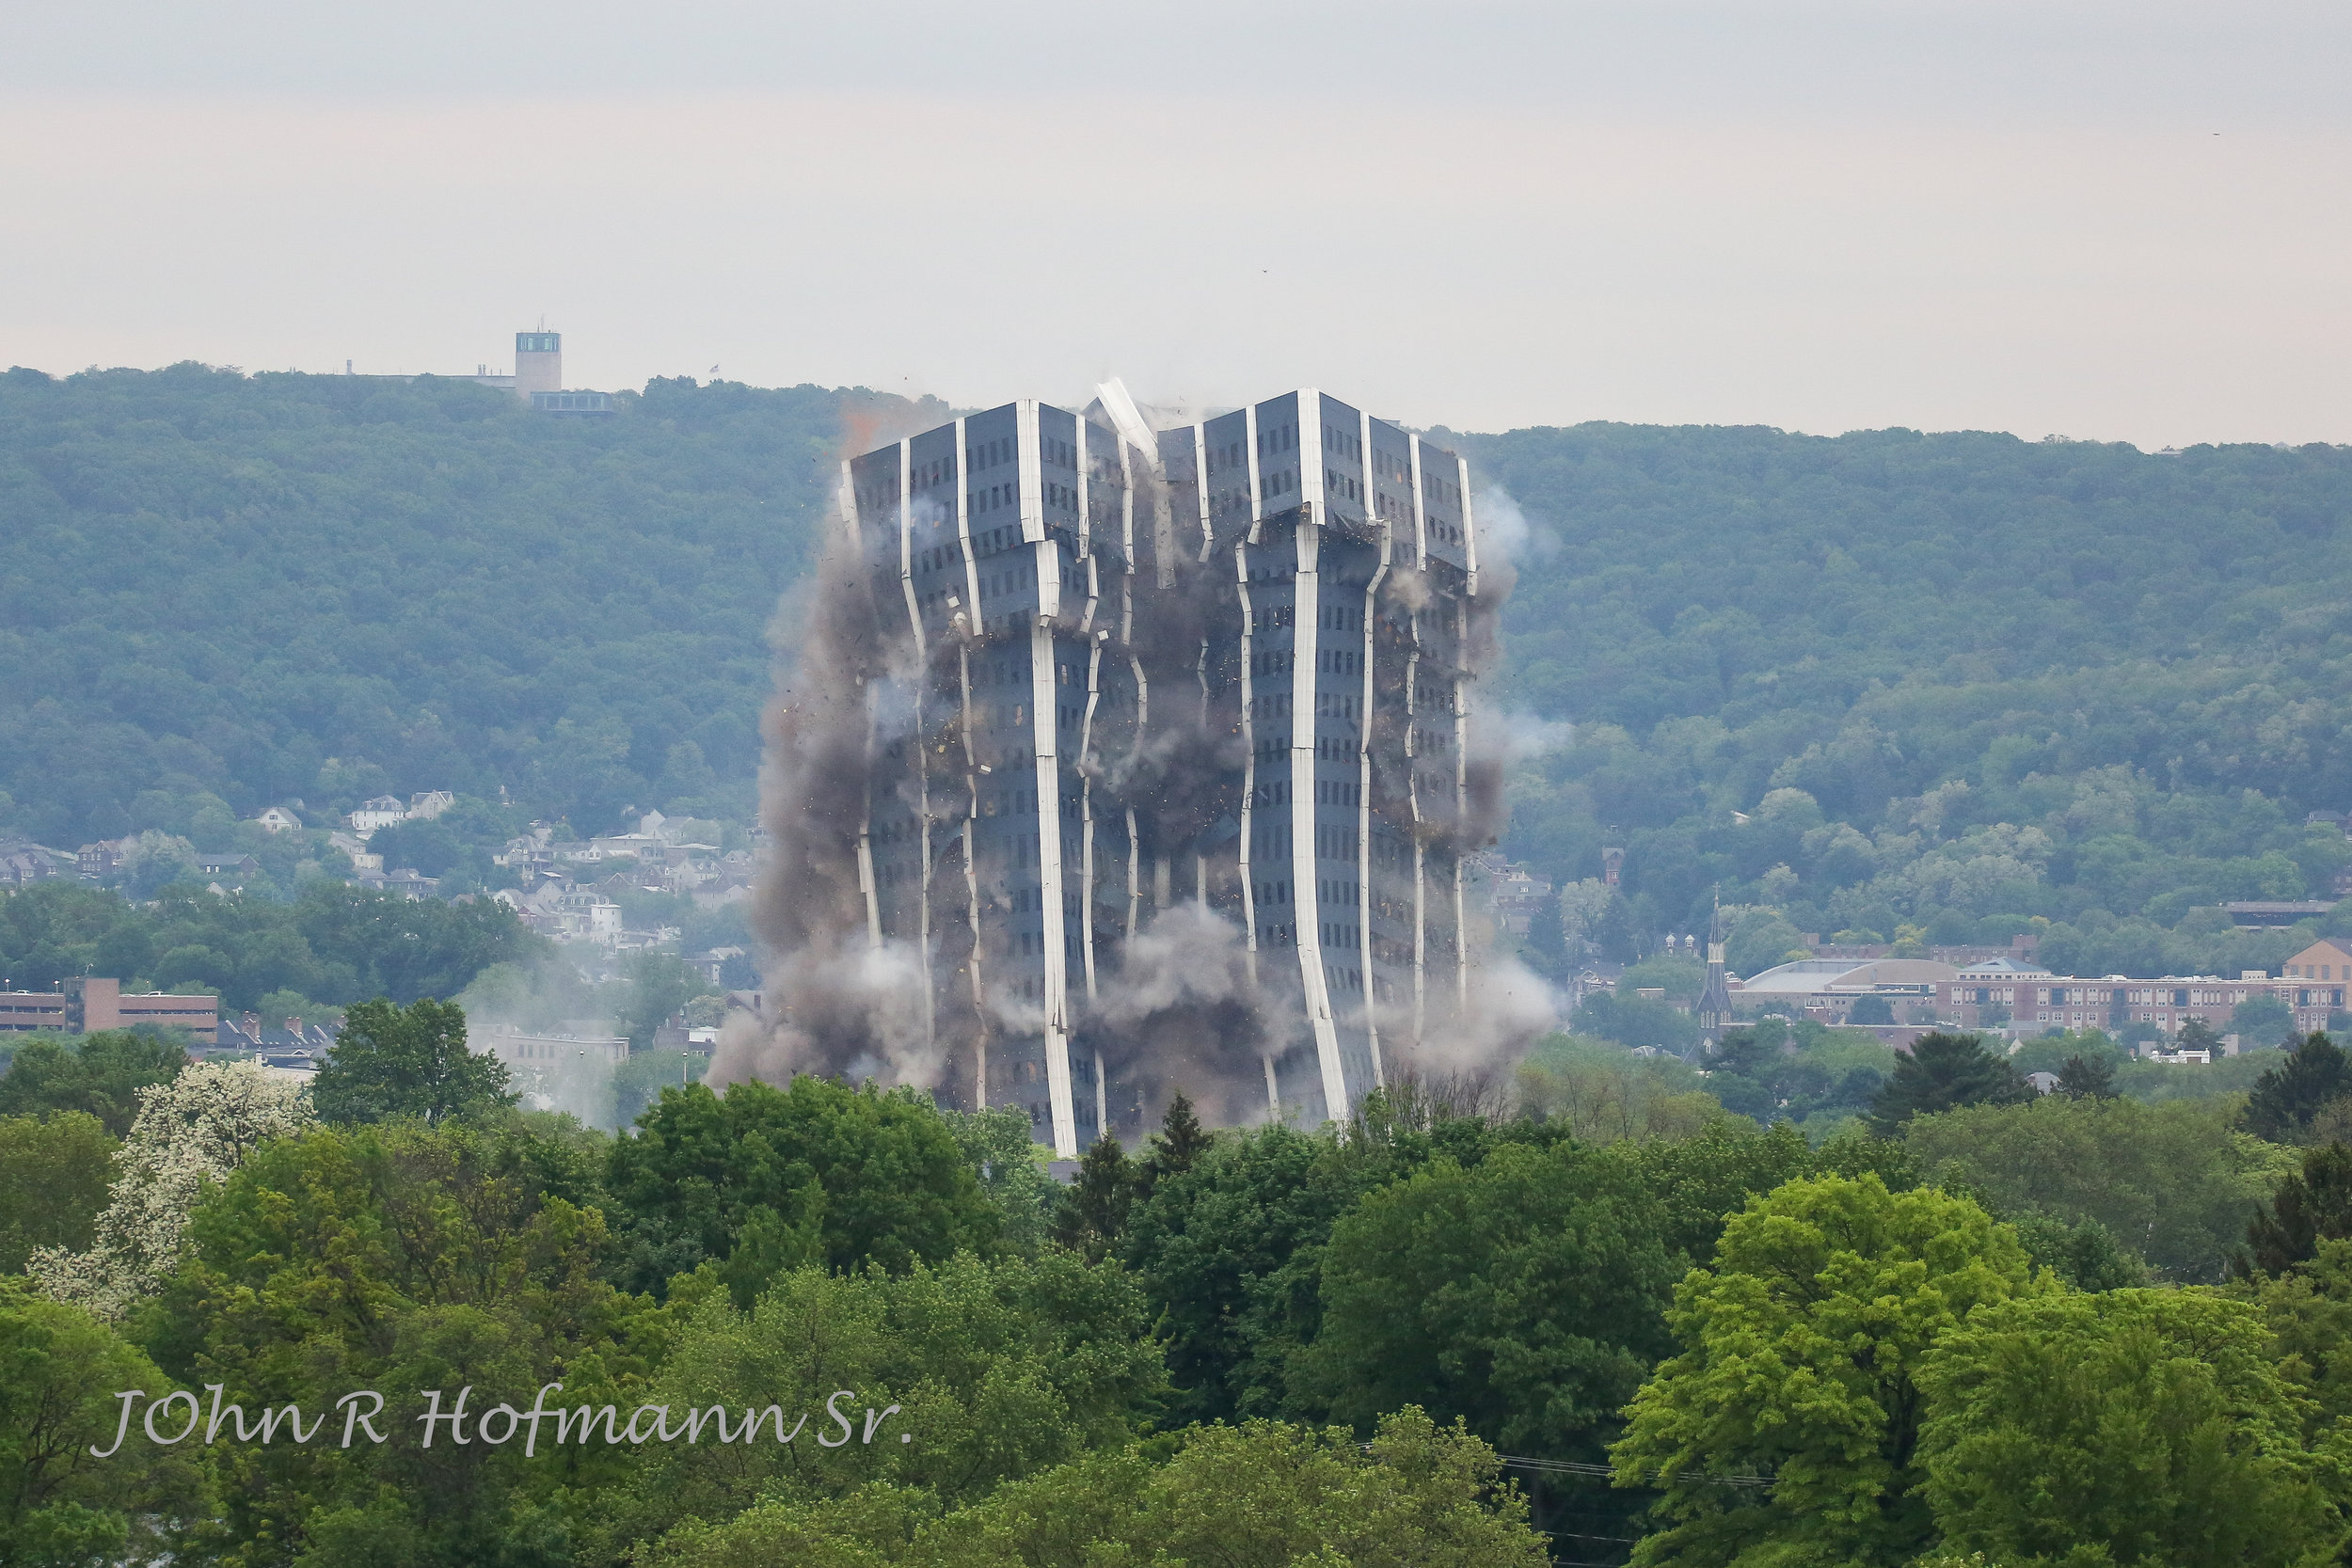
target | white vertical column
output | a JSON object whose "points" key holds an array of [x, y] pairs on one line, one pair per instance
{"points": [[1307, 643], [1412, 676], [1420, 513], [1083, 461], [1086, 793], [1200, 491], [1241, 567], [1461, 726], [1461, 803], [1470, 528], [865, 883], [1248, 763], [922, 767], [1364, 756], [1313, 489], [1045, 732], [969, 619], [1029, 471], [1051, 890], [964, 543]]}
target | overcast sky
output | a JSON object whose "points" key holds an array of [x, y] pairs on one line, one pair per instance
{"points": [[2119, 221]]}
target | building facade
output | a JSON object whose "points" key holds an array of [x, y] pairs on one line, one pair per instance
{"points": [[87, 1005], [2036, 1000], [1123, 670], [539, 363]]}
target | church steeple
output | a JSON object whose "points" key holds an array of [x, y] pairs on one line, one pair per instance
{"points": [[1715, 1001]]}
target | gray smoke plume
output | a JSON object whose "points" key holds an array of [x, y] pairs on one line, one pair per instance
{"points": [[834, 1002]]}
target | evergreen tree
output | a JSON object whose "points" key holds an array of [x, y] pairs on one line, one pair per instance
{"points": [[2086, 1077], [1942, 1073], [2310, 1207], [2288, 1096], [1177, 1146], [2196, 1035], [1092, 1215]]}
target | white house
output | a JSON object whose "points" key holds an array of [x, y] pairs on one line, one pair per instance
{"points": [[277, 819], [587, 915], [430, 803], [382, 812]]}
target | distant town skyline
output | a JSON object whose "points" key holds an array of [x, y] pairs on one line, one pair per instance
{"points": [[2106, 221]]}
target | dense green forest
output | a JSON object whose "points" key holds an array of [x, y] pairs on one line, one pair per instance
{"points": [[1957, 684], [333, 946], [257, 589], [1615, 1323], [1953, 681]]}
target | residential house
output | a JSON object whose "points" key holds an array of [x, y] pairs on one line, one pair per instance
{"points": [[1519, 895], [405, 881], [100, 860], [24, 863], [278, 820], [363, 860], [430, 803], [230, 868], [565, 914], [292, 1050], [713, 964], [382, 812], [530, 857], [645, 847]]}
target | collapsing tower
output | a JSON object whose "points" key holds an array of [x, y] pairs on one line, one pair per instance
{"points": [[1149, 703]]}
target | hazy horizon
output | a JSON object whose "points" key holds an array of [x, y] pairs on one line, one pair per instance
{"points": [[2110, 222]]}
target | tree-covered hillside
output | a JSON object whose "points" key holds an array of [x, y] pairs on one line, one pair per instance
{"points": [[320, 587], [1953, 681], [1996, 679]]}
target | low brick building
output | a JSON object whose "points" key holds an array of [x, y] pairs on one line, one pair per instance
{"points": [[90, 1003], [1991, 995]]}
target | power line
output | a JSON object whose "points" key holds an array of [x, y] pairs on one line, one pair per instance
{"points": [[1575, 1468], [1578, 1467]]}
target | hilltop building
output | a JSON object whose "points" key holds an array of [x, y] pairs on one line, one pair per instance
{"points": [[537, 377], [1224, 664]]}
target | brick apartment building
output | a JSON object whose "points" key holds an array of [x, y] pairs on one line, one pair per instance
{"points": [[2312, 984]]}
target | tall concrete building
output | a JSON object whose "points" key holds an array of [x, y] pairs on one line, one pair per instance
{"points": [[1119, 672], [539, 363]]}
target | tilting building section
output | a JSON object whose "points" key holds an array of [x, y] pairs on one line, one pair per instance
{"points": [[1226, 664]]}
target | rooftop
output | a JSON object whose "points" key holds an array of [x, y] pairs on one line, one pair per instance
{"points": [[1809, 977]]}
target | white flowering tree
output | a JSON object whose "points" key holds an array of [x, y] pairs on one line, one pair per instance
{"points": [[195, 1129]]}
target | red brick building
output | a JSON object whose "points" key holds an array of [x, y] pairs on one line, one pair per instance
{"points": [[2035, 1000]]}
